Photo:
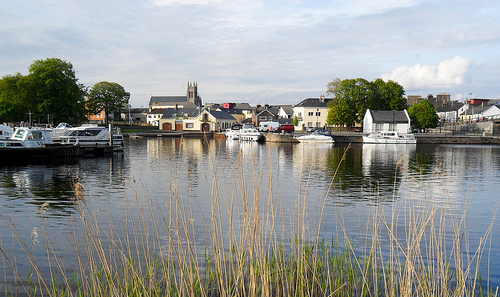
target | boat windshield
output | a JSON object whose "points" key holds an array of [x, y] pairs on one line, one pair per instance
{"points": [[63, 126], [36, 135], [19, 134], [85, 132]]}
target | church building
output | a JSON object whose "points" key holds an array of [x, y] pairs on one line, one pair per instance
{"points": [[191, 100]]}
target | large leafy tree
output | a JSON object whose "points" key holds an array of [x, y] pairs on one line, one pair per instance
{"points": [[12, 106], [354, 96], [350, 101], [333, 86], [339, 114], [423, 115], [108, 96], [53, 91]]}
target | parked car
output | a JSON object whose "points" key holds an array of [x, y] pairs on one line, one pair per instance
{"points": [[310, 129], [288, 128]]}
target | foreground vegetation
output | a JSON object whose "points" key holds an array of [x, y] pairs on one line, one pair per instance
{"points": [[250, 246]]}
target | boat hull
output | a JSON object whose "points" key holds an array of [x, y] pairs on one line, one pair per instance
{"points": [[320, 136], [367, 139], [49, 151], [315, 141], [250, 137]]}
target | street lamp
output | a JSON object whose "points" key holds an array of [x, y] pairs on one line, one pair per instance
{"points": [[317, 113], [129, 120]]}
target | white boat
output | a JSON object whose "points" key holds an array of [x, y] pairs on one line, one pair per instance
{"points": [[28, 143], [59, 131], [5, 132], [91, 137], [249, 132], [317, 137], [390, 137], [234, 132]]}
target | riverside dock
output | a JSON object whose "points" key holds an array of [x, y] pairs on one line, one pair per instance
{"points": [[339, 137]]}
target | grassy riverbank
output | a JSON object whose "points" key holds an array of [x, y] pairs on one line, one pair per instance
{"points": [[250, 246]]}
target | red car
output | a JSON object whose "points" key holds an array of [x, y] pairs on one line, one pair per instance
{"points": [[288, 128]]}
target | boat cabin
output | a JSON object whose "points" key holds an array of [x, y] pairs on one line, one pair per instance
{"points": [[25, 137]]}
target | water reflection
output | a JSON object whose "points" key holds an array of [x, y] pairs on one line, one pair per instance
{"points": [[349, 179], [52, 183], [36, 185]]}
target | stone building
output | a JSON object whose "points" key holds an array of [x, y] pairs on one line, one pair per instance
{"points": [[191, 100]]}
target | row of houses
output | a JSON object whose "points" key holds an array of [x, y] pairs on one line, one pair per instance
{"points": [[311, 112], [474, 109], [189, 114]]}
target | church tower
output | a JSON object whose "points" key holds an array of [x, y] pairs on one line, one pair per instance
{"points": [[192, 94]]}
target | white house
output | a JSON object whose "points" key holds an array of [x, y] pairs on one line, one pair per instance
{"points": [[450, 111], [154, 116], [493, 112], [386, 120]]}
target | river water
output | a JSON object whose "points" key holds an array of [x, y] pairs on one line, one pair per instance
{"points": [[336, 185]]}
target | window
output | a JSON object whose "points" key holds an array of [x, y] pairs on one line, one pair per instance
{"points": [[299, 114], [309, 124], [310, 113], [318, 113], [189, 125]]}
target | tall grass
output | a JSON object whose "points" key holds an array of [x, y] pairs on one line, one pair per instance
{"points": [[251, 246]]}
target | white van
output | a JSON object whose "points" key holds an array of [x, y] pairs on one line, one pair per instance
{"points": [[268, 126]]}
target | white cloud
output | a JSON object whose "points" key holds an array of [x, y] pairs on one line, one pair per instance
{"points": [[447, 74], [186, 2], [255, 50]]}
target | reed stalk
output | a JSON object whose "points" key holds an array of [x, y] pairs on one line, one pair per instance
{"points": [[251, 246]]}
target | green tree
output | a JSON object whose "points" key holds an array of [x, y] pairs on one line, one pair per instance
{"points": [[393, 93], [108, 96], [350, 102], [12, 107], [332, 87], [423, 115], [354, 96], [339, 114], [295, 120], [51, 89]]}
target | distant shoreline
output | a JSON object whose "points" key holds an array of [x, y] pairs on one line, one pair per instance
{"points": [[339, 137]]}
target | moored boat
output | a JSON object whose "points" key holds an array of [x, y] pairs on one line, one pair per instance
{"points": [[5, 132], [30, 143], [234, 132], [249, 132], [390, 137], [91, 137], [319, 136]]}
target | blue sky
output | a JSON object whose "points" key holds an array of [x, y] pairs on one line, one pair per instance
{"points": [[276, 52]]}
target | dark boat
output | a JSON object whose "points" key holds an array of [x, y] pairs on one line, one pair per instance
{"points": [[34, 143]]}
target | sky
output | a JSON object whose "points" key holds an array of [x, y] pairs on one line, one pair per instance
{"points": [[256, 51]]}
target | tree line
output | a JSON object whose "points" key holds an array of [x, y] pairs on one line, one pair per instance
{"points": [[351, 98], [51, 93]]}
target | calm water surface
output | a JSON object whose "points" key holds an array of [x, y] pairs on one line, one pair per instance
{"points": [[351, 182]]}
